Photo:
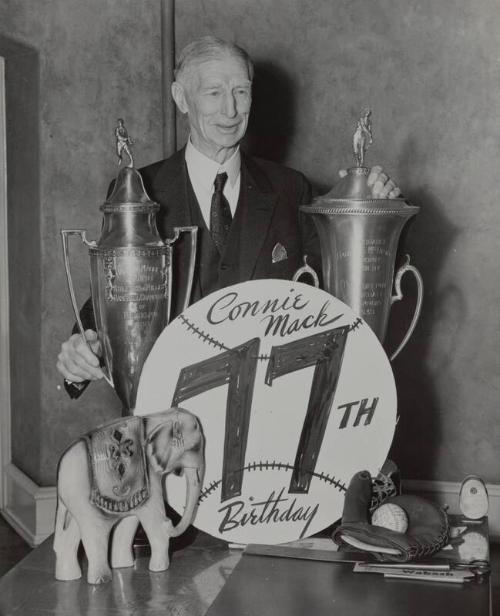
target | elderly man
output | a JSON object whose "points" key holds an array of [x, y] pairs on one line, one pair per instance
{"points": [[247, 209]]}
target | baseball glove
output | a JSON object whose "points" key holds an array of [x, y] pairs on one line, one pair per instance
{"points": [[426, 534]]}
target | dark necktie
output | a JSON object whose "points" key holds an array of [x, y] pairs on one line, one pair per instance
{"points": [[220, 213]]}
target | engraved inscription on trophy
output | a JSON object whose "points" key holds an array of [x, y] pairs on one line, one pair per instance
{"points": [[372, 256], [148, 282], [376, 253]]}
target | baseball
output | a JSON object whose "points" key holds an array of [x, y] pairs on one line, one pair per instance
{"points": [[390, 516]]}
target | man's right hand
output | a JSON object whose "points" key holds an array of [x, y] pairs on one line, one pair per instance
{"points": [[77, 362]]}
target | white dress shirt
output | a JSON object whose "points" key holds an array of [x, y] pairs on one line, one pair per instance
{"points": [[202, 171]]}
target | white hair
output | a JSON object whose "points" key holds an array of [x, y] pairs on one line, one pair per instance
{"points": [[206, 48]]}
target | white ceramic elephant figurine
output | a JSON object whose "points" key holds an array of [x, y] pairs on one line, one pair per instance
{"points": [[114, 474]]}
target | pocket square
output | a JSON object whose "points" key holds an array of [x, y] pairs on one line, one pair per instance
{"points": [[279, 253]]}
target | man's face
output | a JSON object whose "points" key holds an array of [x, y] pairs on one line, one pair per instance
{"points": [[217, 99]]}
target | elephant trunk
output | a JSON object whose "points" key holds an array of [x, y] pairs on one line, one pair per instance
{"points": [[193, 487]]}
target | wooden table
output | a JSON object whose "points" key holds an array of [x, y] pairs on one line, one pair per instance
{"points": [[206, 578], [270, 586], [196, 575]]}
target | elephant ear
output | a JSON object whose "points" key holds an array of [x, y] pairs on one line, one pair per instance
{"points": [[159, 445]]}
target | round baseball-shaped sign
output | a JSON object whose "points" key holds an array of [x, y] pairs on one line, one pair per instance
{"points": [[294, 393]]}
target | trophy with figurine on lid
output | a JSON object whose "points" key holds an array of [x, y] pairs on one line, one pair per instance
{"points": [[130, 276], [359, 237]]}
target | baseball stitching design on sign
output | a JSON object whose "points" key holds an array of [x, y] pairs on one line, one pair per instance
{"points": [[294, 393], [261, 466], [270, 510], [192, 328]]}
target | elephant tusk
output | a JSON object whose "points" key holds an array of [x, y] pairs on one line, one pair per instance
{"points": [[195, 471], [193, 489]]}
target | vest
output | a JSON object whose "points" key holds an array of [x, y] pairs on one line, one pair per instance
{"points": [[212, 269]]}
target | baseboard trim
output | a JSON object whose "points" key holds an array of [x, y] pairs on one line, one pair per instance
{"points": [[29, 508], [446, 493]]}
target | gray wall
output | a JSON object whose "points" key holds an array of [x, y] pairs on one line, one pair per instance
{"points": [[430, 72], [72, 69]]}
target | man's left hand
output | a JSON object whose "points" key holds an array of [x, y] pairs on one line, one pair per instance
{"points": [[382, 185]]}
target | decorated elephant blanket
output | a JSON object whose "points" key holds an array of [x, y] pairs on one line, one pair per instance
{"points": [[119, 473]]}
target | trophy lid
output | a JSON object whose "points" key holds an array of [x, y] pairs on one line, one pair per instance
{"points": [[352, 186], [128, 189], [352, 190]]}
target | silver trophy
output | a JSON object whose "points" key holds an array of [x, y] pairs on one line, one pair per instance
{"points": [[130, 277], [359, 238]]}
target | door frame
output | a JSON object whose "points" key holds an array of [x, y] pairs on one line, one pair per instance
{"points": [[5, 401]]}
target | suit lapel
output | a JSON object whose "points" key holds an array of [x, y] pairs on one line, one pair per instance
{"points": [[170, 188], [257, 201]]}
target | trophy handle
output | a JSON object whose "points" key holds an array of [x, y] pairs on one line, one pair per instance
{"points": [[308, 271], [406, 267], [192, 258], [65, 233]]}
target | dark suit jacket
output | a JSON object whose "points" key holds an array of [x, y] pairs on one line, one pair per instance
{"points": [[267, 215]]}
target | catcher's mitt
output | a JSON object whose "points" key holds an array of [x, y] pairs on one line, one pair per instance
{"points": [[426, 534]]}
